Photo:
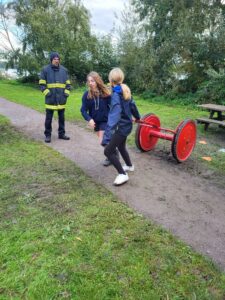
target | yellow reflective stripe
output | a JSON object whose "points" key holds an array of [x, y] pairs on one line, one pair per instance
{"points": [[42, 81], [68, 82], [56, 85], [67, 92], [57, 107], [46, 91]]}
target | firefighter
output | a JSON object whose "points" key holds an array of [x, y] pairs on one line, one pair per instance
{"points": [[55, 85]]}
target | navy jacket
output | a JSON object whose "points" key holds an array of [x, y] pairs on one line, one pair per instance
{"points": [[120, 115], [55, 85], [96, 109]]}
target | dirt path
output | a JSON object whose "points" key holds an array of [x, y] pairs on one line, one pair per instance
{"points": [[192, 208]]}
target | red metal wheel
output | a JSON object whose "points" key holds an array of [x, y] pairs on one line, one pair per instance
{"points": [[143, 138], [184, 140]]}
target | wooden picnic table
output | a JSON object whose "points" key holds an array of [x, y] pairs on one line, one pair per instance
{"points": [[216, 115]]}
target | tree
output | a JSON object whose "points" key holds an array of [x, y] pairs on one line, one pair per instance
{"points": [[130, 48], [180, 40], [62, 26], [6, 28], [9, 40]]}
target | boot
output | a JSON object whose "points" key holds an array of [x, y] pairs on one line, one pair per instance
{"points": [[64, 137], [48, 139]]}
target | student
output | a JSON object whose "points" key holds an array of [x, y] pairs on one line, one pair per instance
{"points": [[95, 105], [119, 125]]}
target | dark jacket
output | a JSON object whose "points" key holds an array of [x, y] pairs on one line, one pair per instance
{"points": [[96, 109], [120, 115], [55, 85]]}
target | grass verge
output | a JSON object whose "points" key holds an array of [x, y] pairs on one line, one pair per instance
{"points": [[64, 237]]}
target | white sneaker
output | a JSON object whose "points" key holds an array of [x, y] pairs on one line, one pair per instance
{"points": [[120, 179], [127, 168]]}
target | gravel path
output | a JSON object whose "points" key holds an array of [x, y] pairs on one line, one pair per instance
{"points": [[191, 207]]}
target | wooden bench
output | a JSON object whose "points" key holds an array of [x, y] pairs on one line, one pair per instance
{"points": [[218, 119], [208, 121]]}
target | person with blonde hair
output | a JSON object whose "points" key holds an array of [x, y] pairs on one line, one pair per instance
{"points": [[95, 105], [119, 125]]}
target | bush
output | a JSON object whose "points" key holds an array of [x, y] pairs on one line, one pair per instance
{"points": [[32, 78], [213, 90], [148, 94]]}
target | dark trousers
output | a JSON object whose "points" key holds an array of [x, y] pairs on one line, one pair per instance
{"points": [[117, 141], [48, 122]]}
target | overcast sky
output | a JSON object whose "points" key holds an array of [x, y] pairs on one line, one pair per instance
{"points": [[103, 13]]}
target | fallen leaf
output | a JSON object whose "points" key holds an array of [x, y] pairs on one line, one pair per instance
{"points": [[208, 158], [77, 238]]}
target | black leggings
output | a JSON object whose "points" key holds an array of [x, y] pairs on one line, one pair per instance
{"points": [[117, 141]]}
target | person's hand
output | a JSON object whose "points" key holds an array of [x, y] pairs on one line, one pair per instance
{"points": [[91, 123], [135, 120], [49, 93]]}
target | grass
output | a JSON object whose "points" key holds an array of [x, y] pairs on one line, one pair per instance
{"points": [[64, 237], [170, 115]]}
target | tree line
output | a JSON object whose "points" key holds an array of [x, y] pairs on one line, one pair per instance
{"points": [[164, 46]]}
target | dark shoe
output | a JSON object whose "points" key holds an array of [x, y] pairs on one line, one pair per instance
{"points": [[47, 139], [64, 137], [106, 162]]}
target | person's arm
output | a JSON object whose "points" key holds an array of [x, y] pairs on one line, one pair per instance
{"points": [[109, 101], [68, 85], [43, 83], [134, 110], [84, 108], [113, 118]]}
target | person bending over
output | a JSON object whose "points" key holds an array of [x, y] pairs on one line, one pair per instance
{"points": [[96, 104]]}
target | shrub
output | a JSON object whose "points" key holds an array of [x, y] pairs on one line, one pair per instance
{"points": [[213, 90], [32, 78]]}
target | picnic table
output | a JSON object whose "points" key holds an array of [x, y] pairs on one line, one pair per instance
{"points": [[216, 115]]}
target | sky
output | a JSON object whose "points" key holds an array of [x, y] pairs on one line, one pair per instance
{"points": [[103, 13]]}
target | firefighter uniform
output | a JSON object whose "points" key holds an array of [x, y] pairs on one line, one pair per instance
{"points": [[55, 85]]}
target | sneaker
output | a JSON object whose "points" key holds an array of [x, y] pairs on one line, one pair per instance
{"points": [[64, 137], [128, 168], [47, 139], [120, 179], [106, 162]]}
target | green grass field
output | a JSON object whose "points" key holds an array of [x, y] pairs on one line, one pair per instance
{"points": [[64, 237]]}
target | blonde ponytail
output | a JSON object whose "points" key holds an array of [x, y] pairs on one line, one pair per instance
{"points": [[126, 92], [116, 76]]}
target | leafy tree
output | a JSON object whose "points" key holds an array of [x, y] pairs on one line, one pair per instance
{"points": [[104, 56], [180, 41], [63, 26], [131, 50]]}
